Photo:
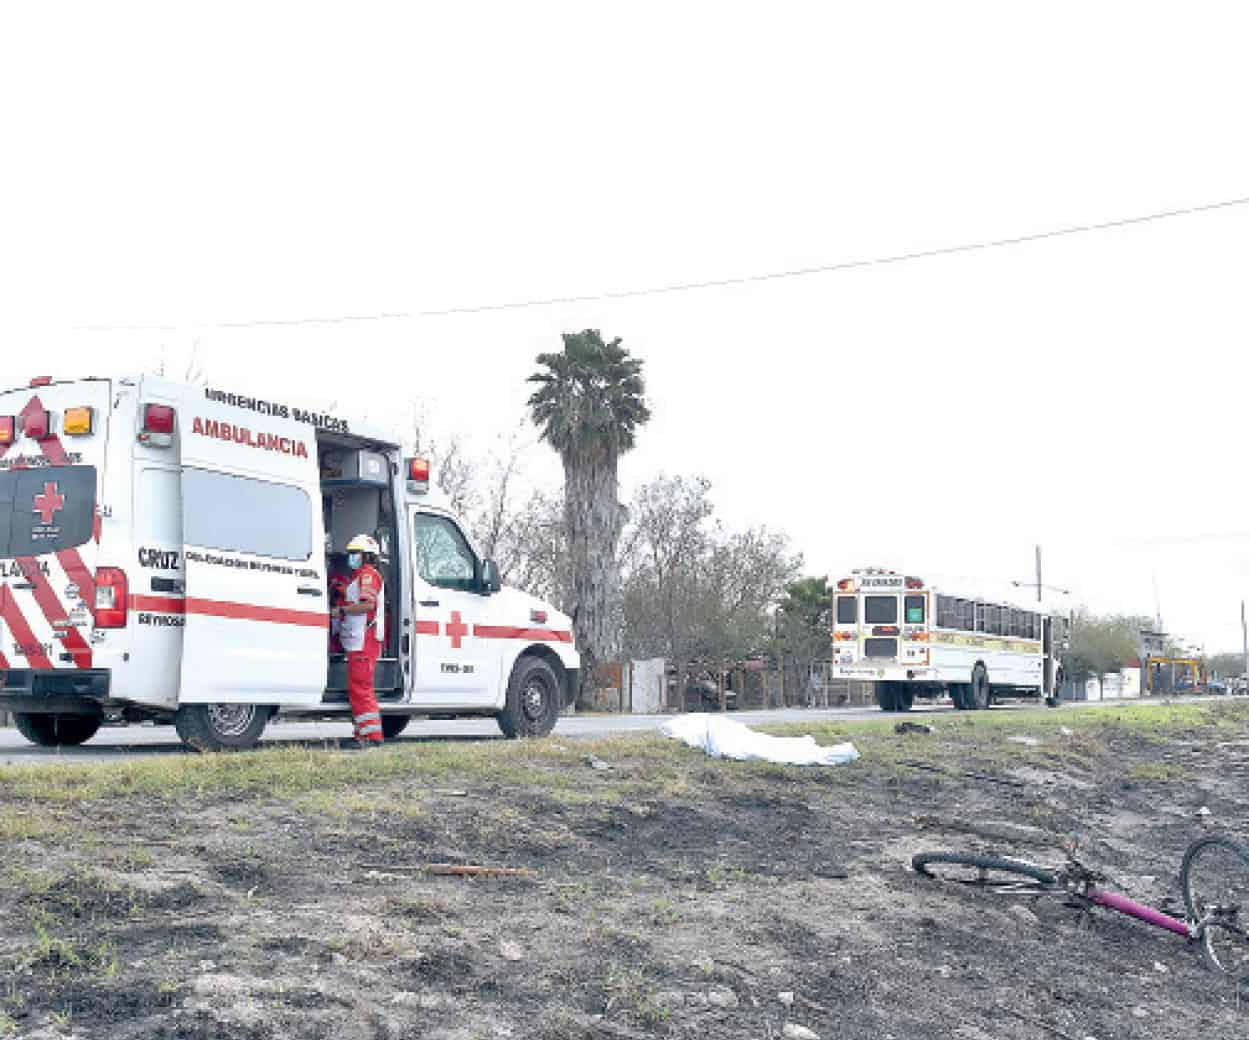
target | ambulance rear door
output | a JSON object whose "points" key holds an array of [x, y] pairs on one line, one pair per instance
{"points": [[53, 439], [253, 534]]}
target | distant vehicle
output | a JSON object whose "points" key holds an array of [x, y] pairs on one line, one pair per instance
{"points": [[1217, 686], [913, 640]]}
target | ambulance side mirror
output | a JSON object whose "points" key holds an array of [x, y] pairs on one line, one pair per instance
{"points": [[490, 577]]}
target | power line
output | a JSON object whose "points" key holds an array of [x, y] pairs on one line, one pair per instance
{"points": [[712, 283]]}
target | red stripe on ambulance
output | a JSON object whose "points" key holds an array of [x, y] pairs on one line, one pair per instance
{"points": [[248, 612], [537, 635], [52, 609], [225, 609], [23, 638]]}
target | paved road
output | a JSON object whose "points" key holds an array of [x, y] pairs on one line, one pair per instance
{"points": [[116, 744]]}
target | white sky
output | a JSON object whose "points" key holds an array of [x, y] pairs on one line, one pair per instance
{"points": [[248, 161]]}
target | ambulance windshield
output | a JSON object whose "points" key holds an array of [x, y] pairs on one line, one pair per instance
{"points": [[46, 510]]}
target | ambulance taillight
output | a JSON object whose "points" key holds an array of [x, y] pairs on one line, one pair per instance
{"points": [[110, 597], [418, 475], [158, 425], [8, 429]]}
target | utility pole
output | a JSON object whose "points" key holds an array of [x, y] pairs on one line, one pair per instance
{"points": [[1244, 635], [1038, 574]]}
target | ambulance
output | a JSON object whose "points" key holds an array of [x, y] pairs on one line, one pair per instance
{"points": [[167, 553]]}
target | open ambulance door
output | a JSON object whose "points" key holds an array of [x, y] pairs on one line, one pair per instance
{"points": [[253, 537]]}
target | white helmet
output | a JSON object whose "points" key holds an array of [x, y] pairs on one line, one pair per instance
{"points": [[364, 543]]}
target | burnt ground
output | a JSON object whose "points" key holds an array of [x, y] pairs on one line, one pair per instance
{"points": [[287, 893]]}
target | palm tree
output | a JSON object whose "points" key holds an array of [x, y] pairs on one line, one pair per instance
{"points": [[588, 406]]}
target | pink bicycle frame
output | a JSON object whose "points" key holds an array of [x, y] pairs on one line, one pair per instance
{"points": [[1138, 910]]}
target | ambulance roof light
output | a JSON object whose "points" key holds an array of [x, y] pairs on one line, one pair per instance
{"points": [[418, 475], [158, 425], [78, 422], [41, 381], [37, 425]]}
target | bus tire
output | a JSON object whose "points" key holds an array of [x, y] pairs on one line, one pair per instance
{"points": [[533, 699], [885, 696], [978, 695], [903, 698], [56, 730], [221, 727]]}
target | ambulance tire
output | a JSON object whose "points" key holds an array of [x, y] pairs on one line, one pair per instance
{"points": [[903, 698], [56, 730], [393, 725], [221, 727], [533, 699], [885, 697]]}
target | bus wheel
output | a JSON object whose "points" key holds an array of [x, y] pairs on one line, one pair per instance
{"points": [[533, 699], [56, 730], [978, 696], [903, 699], [221, 727]]}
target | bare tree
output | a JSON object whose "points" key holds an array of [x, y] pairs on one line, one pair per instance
{"points": [[692, 590]]}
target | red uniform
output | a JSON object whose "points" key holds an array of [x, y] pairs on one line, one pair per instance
{"points": [[361, 636]]}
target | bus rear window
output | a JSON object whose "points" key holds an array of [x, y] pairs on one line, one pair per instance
{"points": [[914, 610], [46, 510], [880, 610], [847, 612]]}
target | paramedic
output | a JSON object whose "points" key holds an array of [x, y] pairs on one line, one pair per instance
{"points": [[361, 620]]}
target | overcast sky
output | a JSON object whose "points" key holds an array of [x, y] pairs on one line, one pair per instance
{"points": [[263, 162]]}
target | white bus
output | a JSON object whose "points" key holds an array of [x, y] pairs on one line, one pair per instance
{"points": [[915, 640]]}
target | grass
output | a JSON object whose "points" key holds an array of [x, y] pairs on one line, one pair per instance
{"points": [[43, 802]]}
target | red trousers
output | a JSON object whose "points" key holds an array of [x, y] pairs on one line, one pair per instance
{"points": [[365, 717]]}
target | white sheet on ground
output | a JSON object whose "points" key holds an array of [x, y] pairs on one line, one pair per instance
{"points": [[727, 738]]}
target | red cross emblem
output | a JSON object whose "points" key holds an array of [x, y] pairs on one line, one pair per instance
{"points": [[49, 503], [456, 629]]}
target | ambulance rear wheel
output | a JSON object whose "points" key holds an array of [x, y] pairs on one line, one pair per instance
{"points": [[221, 727], [533, 700], [885, 696], [56, 730]]}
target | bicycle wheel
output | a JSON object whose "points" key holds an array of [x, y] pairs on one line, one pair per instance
{"points": [[992, 873], [1215, 879]]}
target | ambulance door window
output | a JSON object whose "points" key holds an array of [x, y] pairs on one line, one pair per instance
{"points": [[443, 557]]}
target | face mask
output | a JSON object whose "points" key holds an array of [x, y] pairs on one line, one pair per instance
{"points": [[354, 560]]}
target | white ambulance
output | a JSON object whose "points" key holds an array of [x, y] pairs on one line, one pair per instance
{"points": [[166, 552]]}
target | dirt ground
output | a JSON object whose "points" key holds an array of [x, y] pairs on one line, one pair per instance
{"points": [[288, 893]]}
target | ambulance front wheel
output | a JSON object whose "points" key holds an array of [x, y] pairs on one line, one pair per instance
{"points": [[533, 699], [221, 727]]}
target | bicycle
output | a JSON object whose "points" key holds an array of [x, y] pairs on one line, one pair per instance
{"points": [[1214, 876]]}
